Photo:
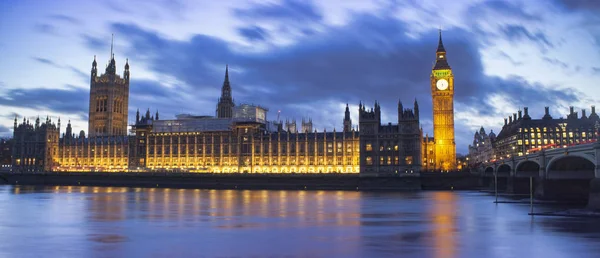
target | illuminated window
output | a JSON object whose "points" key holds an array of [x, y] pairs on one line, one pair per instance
{"points": [[396, 160], [396, 147], [369, 147], [369, 161], [380, 160], [408, 160], [389, 160]]}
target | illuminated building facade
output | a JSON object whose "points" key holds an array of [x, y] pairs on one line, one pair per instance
{"points": [[239, 138], [482, 149], [521, 134], [393, 148], [428, 153], [109, 100], [442, 93]]}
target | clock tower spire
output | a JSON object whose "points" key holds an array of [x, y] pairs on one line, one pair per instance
{"points": [[442, 93]]}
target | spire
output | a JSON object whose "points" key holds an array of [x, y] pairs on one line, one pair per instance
{"points": [[416, 109], [112, 42], [441, 62], [127, 64], [440, 47], [94, 64]]}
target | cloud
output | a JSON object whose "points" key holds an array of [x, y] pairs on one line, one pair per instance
{"points": [[556, 62], [580, 5], [290, 10], [45, 28], [95, 43], [4, 129], [65, 18], [72, 99], [46, 61], [254, 33], [507, 9], [519, 33], [76, 71]]}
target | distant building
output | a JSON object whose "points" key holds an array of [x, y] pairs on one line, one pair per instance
{"points": [[521, 134], [482, 148]]}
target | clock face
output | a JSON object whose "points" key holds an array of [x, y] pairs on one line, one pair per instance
{"points": [[442, 84]]}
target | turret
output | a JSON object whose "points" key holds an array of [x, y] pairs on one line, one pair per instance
{"points": [[147, 114], [520, 115], [547, 115], [156, 116], [347, 120], [416, 109], [137, 116], [583, 116], [400, 110], [526, 115], [15, 125], [69, 130], [112, 66], [593, 114], [94, 68], [126, 72], [37, 122]]}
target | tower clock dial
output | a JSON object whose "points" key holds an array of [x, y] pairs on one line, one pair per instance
{"points": [[442, 84]]}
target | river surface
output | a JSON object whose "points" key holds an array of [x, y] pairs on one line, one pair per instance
{"points": [[136, 222]]}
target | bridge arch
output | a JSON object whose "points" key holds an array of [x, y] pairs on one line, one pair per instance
{"points": [[503, 169], [489, 171], [572, 166], [527, 168]]}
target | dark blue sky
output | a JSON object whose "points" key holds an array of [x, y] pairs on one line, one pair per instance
{"points": [[307, 59]]}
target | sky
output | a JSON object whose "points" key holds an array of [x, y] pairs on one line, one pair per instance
{"points": [[304, 58]]}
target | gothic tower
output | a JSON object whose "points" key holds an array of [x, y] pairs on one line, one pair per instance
{"points": [[442, 93], [109, 100], [225, 105], [347, 120]]}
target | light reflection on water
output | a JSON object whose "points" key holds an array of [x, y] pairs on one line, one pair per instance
{"points": [[71, 221]]}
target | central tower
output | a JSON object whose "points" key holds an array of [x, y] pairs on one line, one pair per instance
{"points": [[442, 93], [109, 100]]}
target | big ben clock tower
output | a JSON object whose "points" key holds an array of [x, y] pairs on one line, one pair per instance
{"points": [[442, 93]]}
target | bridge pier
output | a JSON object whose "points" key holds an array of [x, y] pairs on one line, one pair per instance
{"points": [[510, 184], [539, 192], [594, 197]]}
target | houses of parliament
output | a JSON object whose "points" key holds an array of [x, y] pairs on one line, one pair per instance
{"points": [[239, 138]]}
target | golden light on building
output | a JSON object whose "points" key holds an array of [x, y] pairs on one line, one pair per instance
{"points": [[442, 93]]}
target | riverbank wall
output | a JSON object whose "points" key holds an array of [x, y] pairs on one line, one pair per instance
{"points": [[246, 181]]}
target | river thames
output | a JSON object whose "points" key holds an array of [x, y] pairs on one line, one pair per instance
{"points": [[137, 222]]}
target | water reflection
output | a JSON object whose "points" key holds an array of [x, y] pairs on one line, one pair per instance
{"points": [[81, 221], [442, 212]]}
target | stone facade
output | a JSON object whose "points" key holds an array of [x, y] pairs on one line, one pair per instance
{"points": [[482, 148], [109, 101], [389, 149]]}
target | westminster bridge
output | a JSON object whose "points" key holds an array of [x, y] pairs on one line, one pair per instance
{"points": [[571, 172]]}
